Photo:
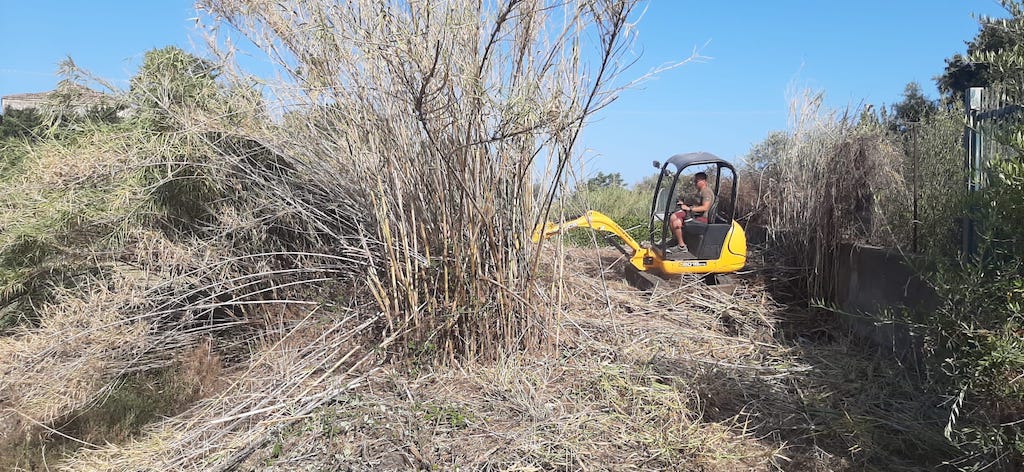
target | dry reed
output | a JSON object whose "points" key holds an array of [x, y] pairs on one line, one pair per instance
{"points": [[683, 378], [398, 182], [832, 182], [412, 132]]}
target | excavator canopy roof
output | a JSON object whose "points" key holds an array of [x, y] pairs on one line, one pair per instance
{"points": [[696, 158]]}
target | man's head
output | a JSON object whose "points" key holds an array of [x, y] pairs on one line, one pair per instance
{"points": [[700, 179]]}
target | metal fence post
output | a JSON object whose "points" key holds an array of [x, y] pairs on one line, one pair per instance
{"points": [[972, 163]]}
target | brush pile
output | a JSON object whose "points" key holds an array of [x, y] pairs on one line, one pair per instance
{"points": [[685, 378]]}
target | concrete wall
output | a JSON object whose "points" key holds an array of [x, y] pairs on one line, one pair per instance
{"points": [[872, 284]]}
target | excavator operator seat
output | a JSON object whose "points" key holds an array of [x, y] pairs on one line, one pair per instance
{"points": [[713, 216]]}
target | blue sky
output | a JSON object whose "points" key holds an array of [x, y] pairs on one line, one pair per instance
{"points": [[856, 52]]}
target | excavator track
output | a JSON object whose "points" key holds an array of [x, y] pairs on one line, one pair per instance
{"points": [[649, 282]]}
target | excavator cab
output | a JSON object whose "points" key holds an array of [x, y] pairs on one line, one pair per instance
{"points": [[718, 246], [715, 246]]}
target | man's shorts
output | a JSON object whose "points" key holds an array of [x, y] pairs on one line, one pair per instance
{"points": [[682, 217]]}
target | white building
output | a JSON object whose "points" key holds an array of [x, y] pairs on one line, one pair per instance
{"points": [[84, 97]]}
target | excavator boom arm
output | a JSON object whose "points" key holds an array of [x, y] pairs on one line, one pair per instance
{"points": [[592, 219]]}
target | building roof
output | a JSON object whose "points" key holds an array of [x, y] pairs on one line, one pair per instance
{"points": [[85, 97], [27, 96]]}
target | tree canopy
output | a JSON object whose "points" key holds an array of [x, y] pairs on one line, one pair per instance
{"points": [[914, 108], [602, 180], [19, 123], [988, 58]]}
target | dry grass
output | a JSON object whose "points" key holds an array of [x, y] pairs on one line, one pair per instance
{"points": [[312, 361], [81, 344], [680, 379], [685, 378]]}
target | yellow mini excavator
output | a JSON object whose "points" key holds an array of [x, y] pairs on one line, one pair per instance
{"points": [[716, 247]]}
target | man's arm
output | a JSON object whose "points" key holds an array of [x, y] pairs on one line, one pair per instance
{"points": [[704, 207]]}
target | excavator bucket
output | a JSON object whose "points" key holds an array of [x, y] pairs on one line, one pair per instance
{"points": [[642, 280]]}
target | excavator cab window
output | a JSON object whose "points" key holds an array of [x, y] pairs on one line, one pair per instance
{"points": [[662, 202], [724, 209]]}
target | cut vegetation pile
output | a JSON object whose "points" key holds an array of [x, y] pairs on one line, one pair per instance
{"points": [[686, 378]]}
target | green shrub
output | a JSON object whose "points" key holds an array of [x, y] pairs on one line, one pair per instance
{"points": [[975, 339], [629, 208], [19, 123]]}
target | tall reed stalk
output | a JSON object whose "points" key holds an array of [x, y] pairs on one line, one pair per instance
{"points": [[423, 126], [834, 181]]}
